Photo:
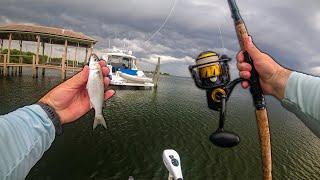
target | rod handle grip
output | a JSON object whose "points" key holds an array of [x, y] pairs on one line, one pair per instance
{"points": [[263, 126], [255, 87]]}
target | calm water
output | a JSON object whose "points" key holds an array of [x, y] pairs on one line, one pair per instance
{"points": [[141, 124]]}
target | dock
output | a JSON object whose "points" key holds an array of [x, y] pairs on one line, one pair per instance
{"points": [[42, 36]]}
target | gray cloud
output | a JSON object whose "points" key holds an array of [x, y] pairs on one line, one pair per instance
{"points": [[288, 29]]}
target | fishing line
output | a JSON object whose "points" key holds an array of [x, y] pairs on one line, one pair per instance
{"points": [[164, 23], [220, 36]]}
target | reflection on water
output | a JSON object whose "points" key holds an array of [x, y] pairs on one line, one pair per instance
{"points": [[141, 124]]}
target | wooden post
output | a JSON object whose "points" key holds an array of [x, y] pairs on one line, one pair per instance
{"points": [[20, 58], [75, 55], [43, 69], [49, 57], [86, 57], [156, 74], [63, 62], [67, 62], [88, 52], [9, 47], [33, 66], [37, 54], [91, 49], [15, 70], [5, 70], [1, 46]]}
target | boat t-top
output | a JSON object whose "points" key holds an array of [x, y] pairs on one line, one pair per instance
{"points": [[123, 69]]}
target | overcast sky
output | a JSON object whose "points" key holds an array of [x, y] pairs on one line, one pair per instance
{"points": [[289, 30]]}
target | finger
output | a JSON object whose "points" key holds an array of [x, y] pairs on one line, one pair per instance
{"points": [[108, 94], [251, 48], [102, 63], [245, 74], [245, 84], [244, 66], [106, 82], [105, 71], [240, 57], [83, 75], [79, 79]]}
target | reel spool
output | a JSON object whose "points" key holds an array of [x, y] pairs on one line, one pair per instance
{"points": [[211, 73]]}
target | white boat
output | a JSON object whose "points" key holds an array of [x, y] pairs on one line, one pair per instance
{"points": [[123, 69]]}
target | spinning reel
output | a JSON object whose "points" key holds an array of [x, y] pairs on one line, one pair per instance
{"points": [[211, 73]]}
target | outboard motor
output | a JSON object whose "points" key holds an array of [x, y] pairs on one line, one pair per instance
{"points": [[172, 162]]}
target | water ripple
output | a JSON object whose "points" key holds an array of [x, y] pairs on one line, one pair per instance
{"points": [[141, 124]]}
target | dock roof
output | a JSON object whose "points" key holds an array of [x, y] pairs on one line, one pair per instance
{"points": [[28, 32]]}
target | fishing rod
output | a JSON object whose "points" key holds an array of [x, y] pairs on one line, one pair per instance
{"points": [[211, 73], [257, 94]]}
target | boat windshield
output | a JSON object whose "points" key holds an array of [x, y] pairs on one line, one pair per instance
{"points": [[127, 62], [115, 59], [120, 62]]}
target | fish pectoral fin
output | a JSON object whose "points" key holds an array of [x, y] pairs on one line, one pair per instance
{"points": [[99, 120]]}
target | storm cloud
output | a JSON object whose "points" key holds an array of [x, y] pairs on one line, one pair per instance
{"points": [[288, 29]]}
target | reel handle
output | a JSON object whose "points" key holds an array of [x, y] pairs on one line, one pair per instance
{"points": [[220, 137]]}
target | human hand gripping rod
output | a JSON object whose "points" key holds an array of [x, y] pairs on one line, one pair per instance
{"points": [[257, 94]]}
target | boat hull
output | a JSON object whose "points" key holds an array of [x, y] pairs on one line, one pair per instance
{"points": [[135, 78], [128, 82]]}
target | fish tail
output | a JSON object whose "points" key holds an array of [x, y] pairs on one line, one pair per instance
{"points": [[99, 119]]}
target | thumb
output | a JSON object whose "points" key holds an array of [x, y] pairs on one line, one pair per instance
{"points": [[253, 51], [79, 79]]}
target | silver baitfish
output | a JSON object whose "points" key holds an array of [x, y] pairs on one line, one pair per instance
{"points": [[95, 87]]}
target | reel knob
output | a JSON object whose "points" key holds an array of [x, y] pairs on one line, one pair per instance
{"points": [[224, 139]]}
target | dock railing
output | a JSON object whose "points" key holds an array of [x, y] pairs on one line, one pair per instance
{"points": [[17, 62]]}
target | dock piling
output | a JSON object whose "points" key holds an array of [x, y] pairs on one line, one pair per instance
{"points": [[33, 66], [64, 58], [9, 47], [156, 74], [20, 58], [5, 70]]}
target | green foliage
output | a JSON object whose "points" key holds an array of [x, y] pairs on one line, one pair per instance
{"points": [[14, 58], [27, 58]]}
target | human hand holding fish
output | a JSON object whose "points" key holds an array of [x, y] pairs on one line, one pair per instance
{"points": [[71, 99]]}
